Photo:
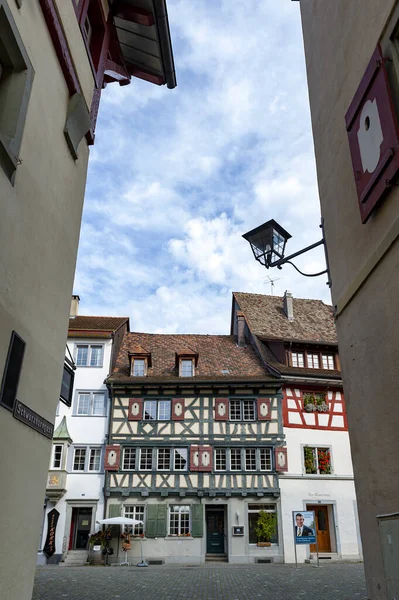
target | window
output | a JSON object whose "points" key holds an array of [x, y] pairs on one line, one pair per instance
{"points": [[242, 410], [87, 459], [146, 459], [89, 355], [12, 371], [16, 80], [68, 377], [265, 459], [157, 409], [317, 460], [180, 459], [93, 30], [253, 515], [57, 456], [235, 459], [139, 367], [137, 513], [129, 458], [250, 459], [327, 361], [179, 520], [313, 361], [297, 359], [220, 459], [186, 368], [163, 459], [91, 404]]}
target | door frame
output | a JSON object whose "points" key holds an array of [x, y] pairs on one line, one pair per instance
{"points": [[331, 506], [70, 504], [222, 509]]}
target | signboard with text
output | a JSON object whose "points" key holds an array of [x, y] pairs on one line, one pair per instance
{"points": [[304, 526]]}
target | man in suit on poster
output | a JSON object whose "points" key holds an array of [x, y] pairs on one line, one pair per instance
{"points": [[301, 529]]}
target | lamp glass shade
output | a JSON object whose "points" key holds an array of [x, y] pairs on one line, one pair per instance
{"points": [[268, 242]]}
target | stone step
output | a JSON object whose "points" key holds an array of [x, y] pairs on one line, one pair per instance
{"points": [[209, 557]]}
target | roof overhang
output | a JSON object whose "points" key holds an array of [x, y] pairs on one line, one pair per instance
{"points": [[142, 28]]}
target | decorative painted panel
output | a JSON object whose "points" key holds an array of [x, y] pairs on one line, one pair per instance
{"points": [[178, 409], [281, 459], [205, 458], [135, 409], [194, 458], [221, 409], [112, 458], [264, 412]]}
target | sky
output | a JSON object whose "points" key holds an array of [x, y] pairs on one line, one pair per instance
{"points": [[177, 176]]}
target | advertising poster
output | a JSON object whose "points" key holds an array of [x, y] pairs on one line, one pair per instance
{"points": [[304, 526]]}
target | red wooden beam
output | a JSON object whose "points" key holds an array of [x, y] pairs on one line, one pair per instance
{"points": [[142, 74], [127, 12], [115, 72]]}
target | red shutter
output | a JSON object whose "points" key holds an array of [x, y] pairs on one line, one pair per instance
{"points": [[112, 458], [281, 460], [178, 409], [221, 409], [135, 409], [264, 412], [194, 458], [205, 458]]}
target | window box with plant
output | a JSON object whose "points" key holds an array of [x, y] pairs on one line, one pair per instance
{"points": [[266, 527], [317, 461], [313, 402]]}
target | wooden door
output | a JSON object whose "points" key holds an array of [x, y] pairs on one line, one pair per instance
{"points": [[215, 532], [322, 528]]}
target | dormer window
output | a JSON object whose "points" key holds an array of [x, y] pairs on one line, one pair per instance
{"points": [[187, 367], [297, 359], [139, 367], [140, 362]]}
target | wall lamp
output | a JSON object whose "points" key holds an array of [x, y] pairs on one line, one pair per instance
{"points": [[268, 243]]}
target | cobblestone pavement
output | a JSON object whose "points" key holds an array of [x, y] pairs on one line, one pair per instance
{"points": [[208, 582]]}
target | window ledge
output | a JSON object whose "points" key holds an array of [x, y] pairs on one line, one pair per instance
{"points": [[178, 538]]}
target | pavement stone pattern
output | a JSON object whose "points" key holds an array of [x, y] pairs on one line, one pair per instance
{"points": [[206, 582]]}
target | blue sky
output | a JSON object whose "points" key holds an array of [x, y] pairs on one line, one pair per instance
{"points": [[177, 176]]}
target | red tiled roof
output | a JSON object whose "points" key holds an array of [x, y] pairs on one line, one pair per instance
{"points": [[313, 320], [88, 326], [219, 357]]}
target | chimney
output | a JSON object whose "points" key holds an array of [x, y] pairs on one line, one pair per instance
{"points": [[74, 307], [288, 305], [241, 329]]}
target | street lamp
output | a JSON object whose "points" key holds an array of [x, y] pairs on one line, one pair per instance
{"points": [[268, 245]]}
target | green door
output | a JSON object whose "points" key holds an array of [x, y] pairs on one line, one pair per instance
{"points": [[215, 532]]}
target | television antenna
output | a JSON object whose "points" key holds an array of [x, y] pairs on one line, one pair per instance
{"points": [[271, 281]]}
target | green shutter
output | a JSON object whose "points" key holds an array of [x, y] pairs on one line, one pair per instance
{"points": [[161, 520], [151, 521], [197, 520], [114, 510]]}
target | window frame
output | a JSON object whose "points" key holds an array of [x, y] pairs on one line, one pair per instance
{"points": [[164, 449], [192, 371], [297, 354], [89, 354], [136, 361], [316, 448], [242, 405], [253, 511], [328, 357], [311, 357], [177, 449], [52, 465], [179, 533], [87, 448], [150, 451], [216, 459], [125, 449], [82, 10], [131, 529], [158, 401], [90, 393]]}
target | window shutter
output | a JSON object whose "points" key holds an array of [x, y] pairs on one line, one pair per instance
{"points": [[161, 520], [112, 458], [205, 458], [135, 409], [178, 409], [221, 409], [264, 412], [151, 521], [114, 510], [194, 458], [197, 520], [281, 460]]}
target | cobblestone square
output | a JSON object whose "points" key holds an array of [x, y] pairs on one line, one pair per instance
{"points": [[208, 582]]}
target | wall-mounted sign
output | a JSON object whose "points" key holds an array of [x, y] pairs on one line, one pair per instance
{"points": [[304, 526], [373, 135], [52, 519], [238, 530], [33, 420]]}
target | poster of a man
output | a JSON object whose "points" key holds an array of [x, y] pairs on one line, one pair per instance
{"points": [[304, 527]]}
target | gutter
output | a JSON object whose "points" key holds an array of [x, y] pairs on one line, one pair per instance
{"points": [[161, 16]]}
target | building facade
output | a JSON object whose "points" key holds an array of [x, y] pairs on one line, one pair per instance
{"points": [[55, 57], [296, 340], [352, 65], [195, 446], [76, 475]]}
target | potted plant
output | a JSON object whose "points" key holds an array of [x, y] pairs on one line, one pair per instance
{"points": [[266, 527]]}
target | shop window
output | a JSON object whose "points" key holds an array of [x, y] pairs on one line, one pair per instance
{"points": [[253, 515]]}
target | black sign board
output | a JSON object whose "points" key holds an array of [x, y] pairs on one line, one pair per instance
{"points": [[33, 420], [238, 530], [52, 519]]}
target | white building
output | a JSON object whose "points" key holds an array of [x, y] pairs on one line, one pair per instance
{"points": [[76, 476]]}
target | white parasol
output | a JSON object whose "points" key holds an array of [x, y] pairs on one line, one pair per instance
{"points": [[125, 521]]}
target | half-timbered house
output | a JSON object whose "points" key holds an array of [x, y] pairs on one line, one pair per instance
{"points": [[195, 445], [296, 340]]}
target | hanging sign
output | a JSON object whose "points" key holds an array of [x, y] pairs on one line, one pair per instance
{"points": [[52, 519], [304, 526]]}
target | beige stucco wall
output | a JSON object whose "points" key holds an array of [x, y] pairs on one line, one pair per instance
{"points": [[340, 38], [39, 231]]}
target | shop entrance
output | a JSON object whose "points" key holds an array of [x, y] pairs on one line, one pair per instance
{"points": [[80, 528], [322, 528], [215, 530]]}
